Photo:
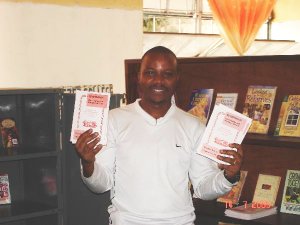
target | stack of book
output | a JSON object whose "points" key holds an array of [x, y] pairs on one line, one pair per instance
{"points": [[250, 212]]}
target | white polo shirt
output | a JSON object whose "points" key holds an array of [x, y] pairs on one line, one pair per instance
{"points": [[147, 165]]}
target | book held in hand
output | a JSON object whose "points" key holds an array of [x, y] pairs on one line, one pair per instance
{"points": [[250, 211], [291, 193], [9, 133], [233, 197], [224, 127], [266, 189], [288, 123], [5, 197], [227, 99], [90, 112], [258, 106], [200, 103]]}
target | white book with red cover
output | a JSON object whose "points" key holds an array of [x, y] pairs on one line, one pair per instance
{"points": [[5, 197], [90, 112], [225, 126]]}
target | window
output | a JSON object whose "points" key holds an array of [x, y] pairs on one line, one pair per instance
{"points": [[183, 16]]}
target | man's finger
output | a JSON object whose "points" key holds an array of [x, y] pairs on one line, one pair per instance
{"points": [[82, 138], [224, 159], [97, 148], [238, 147], [91, 144]]}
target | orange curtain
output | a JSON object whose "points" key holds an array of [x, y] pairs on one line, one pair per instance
{"points": [[240, 20]]}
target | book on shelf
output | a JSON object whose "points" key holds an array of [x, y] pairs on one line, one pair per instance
{"points": [[266, 189], [258, 106], [90, 112], [233, 197], [227, 99], [288, 120], [225, 223], [225, 126], [5, 197], [9, 133], [250, 211], [200, 103], [291, 193]]}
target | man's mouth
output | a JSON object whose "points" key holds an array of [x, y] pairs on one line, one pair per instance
{"points": [[156, 90]]}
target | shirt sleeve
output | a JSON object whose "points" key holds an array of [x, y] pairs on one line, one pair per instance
{"points": [[207, 179], [103, 175]]}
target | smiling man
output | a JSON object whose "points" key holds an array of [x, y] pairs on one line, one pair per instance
{"points": [[151, 154]]}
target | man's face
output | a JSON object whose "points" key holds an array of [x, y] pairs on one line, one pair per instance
{"points": [[158, 78]]}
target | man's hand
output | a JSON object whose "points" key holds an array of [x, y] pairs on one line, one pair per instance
{"points": [[87, 147], [235, 161]]}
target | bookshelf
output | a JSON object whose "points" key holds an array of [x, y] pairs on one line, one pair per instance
{"points": [[264, 153]]}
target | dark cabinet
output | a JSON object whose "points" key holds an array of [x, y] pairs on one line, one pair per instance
{"points": [[34, 166], [44, 171]]}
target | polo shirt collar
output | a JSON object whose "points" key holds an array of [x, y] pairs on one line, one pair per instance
{"points": [[151, 120]]}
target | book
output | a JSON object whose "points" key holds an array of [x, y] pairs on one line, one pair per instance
{"points": [[233, 197], [5, 197], [266, 189], [9, 133], [200, 103], [225, 126], [258, 106], [288, 119], [225, 223], [250, 211], [227, 99], [291, 193], [90, 112]]}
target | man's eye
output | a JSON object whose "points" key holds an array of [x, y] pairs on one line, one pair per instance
{"points": [[149, 73], [168, 74]]}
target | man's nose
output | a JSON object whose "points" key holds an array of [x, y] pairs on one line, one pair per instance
{"points": [[159, 78]]}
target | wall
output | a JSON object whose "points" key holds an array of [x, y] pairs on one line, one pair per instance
{"points": [[68, 42]]}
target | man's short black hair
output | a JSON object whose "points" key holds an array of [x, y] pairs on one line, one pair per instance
{"points": [[159, 49]]}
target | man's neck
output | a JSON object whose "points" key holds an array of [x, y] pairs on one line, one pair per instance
{"points": [[156, 110]]}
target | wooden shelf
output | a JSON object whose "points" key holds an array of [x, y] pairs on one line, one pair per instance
{"points": [[24, 210], [20, 154], [275, 141]]}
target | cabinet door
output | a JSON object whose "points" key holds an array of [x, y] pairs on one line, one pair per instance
{"points": [[81, 205]]}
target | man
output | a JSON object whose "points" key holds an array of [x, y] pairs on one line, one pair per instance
{"points": [[151, 154]]}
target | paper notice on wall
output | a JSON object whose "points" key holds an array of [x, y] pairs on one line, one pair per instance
{"points": [[90, 112], [225, 126]]}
